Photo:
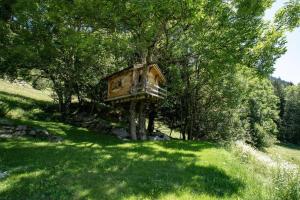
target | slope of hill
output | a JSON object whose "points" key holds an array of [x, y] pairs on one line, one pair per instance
{"points": [[89, 165]]}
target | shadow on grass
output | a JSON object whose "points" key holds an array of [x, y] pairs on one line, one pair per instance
{"points": [[101, 167], [11, 102]]}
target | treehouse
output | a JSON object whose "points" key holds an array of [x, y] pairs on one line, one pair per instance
{"points": [[139, 82]]}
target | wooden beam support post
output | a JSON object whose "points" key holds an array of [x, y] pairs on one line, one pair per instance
{"points": [[152, 114], [132, 120], [142, 121]]}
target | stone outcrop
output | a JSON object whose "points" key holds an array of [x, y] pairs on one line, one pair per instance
{"points": [[91, 122], [10, 131], [157, 135]]}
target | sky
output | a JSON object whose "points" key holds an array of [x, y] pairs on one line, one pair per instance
{"points": [[287, 67]]}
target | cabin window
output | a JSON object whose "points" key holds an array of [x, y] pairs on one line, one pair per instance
{"points": [[116, 84], [120, 83]]}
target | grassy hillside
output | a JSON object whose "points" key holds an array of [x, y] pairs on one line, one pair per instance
{"points": [[288, 152], [24, 90], [88, 165]]}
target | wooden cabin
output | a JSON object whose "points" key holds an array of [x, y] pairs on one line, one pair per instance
{"points": [[137, 82]]}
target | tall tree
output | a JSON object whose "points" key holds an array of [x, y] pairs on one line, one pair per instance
{"points": [[291, 117]]}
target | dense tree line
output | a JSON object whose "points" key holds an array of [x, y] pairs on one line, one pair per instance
{"points": [[217, 56], [289, 104]]}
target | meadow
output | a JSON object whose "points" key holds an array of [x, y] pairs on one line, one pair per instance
{"points": [[95, 165]]}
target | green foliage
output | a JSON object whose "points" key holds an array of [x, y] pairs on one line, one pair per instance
{"points": [[286, 184], [200, 46], [291, 117], [288, 17], [279, 87], [262, 111], [230, 107]]}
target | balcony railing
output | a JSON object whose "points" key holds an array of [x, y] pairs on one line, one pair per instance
{"points": [[151, 89]]}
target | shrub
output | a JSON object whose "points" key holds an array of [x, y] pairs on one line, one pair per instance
{"points": [[286, 184], [3, 109]]}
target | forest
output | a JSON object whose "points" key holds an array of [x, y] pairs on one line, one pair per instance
{"points": [[217, 58]]}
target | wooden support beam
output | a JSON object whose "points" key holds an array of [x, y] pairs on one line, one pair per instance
{"points": [[142, 121], [132, 120]]}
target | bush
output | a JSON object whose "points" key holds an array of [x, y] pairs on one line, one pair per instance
{"points": [[3, 109], [291, 118], [41, 84], [286, 185]]}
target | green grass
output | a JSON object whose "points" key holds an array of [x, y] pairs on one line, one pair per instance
{"points": [[25, 91], [88, 165], [288, 152], [23, 101]]}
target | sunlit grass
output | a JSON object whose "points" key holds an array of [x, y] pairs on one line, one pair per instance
{"points": [[288, 152], [86, 165], [26, 91], [166, 130]]}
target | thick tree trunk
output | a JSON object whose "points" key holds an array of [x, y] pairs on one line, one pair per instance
{"points": [[152, 114], [59, 92], [132, 120], [60, 102], [142, 121], [183, 135], [182, 119], [68, 98], [189, 132]]}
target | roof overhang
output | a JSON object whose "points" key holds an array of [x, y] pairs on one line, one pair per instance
{"points": [[155, 66]]}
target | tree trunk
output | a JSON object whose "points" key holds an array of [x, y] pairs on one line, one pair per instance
{"points": [[60, 102], [68, 97], [182, 125], [142, 121], [59, 92], [152, 114], [132, 120]]}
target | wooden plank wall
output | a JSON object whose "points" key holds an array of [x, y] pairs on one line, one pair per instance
{"points": [[127, 81]]}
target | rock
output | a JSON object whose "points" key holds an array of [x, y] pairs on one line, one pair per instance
{"points": [[8, 127], [44, 132], [41, 131], [6, 131], [103, 126], [165, 137], [19, 133], [3, 175], [56, 139], [157, 135], [124, 139], [155, 138], [25, 131], [144, 137], [120, 132], [6, 135], [2, 131], [32, 133], [5, 122], [21, 128]]}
